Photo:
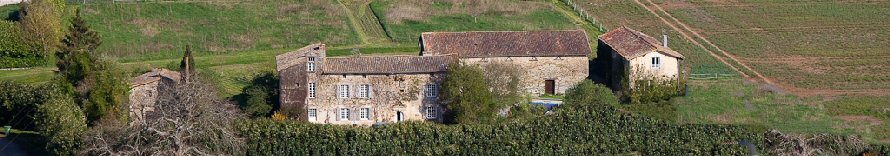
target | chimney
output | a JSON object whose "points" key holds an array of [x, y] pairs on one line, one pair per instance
{"points": [[664, 41]]}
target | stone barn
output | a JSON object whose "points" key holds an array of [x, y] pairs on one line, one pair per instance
{"points": [[360, 90], [550, 61], [146, 89], [633, 54]]}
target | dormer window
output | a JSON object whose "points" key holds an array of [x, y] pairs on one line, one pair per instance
{"points": [[310, 65], [656, 62]]}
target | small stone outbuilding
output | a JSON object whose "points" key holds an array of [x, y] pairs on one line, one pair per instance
{"points": [[633, 54]]}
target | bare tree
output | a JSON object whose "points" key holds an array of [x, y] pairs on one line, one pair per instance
{"points": [[189, 119]]}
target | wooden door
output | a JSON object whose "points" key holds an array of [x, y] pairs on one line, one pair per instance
{"points": [[550, 87]]}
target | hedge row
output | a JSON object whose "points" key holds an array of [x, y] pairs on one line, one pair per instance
{"points": [[585, 130]]}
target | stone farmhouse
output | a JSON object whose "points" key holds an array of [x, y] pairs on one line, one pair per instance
{"points": [[639, 54], [363, 90], [146, 89]]}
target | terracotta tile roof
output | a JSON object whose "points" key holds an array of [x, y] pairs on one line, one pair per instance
{"points": [[155, 75], [630, 43], [289, 59], [506, 43], [385, 64]]}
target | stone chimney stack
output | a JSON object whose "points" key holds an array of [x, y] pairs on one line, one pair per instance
{"points": [[664, 41]]}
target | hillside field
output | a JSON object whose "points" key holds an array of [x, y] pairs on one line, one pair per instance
{"points": [[836, 54], [830, 54]]}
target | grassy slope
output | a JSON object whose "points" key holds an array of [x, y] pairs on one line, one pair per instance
{"points": [[733, 101], [408, 30], [163, 29]]}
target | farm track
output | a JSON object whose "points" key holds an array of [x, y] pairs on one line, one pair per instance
{"points": [[364, 22], [757, 75]]}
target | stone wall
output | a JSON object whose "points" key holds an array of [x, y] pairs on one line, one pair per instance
{"points": [[566, 71], [388, 95]]}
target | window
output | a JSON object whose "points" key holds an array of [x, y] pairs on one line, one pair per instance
{"points": [[343, 91], [312, 114], [311, 90], [431, 112], [656, 62], [344, 114], [364, 113], [310, 65], [430, 90], [364, 90]]}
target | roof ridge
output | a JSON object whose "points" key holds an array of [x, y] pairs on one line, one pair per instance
{"points": [[640, 35]]}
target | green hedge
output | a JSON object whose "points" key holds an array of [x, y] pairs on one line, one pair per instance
{"points": [[584, 130]]}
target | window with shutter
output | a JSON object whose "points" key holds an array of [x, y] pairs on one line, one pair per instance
{"points": [[364, 113], [343, 91], [344, 114]]}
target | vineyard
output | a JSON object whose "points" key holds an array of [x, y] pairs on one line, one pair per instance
{"points": [[584, 130]]}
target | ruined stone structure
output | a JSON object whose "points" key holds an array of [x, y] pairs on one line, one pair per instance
{"points": [[633, 54], [146, 89], [551, 61], [366, 90]]}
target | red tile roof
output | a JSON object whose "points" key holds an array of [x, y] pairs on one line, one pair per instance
{"points": [[630, 43], [386, 64], [506, 43]]}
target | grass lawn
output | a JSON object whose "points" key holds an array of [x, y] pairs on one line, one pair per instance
{"points": [[734, 101]]}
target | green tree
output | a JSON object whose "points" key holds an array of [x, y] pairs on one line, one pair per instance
{"points": [[467, 96], [260, 97], [61, 122], [100, 88], [42, 23], [74, 60], [14, 51]]}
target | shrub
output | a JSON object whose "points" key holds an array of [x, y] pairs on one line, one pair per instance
{"points": [[61, 122]]}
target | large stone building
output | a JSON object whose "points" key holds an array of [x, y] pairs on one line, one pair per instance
{"points": [[635, 55], [366, 90]]}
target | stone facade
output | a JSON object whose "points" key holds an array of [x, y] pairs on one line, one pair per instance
{"points": [[535, 71], [360, 90], [388, 98], [367, 90]]}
